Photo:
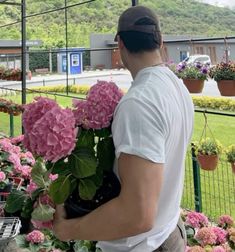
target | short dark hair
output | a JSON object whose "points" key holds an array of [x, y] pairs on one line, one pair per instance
{"points": [[136, 41]]}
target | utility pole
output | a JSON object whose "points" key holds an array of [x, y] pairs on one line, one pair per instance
{"points": [[23, 49]]}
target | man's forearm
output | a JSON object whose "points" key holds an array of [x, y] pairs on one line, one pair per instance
{"points": [[111, 221]]}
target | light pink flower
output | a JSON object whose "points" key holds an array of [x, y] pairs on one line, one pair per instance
{"points": [[218, 249], [196, 249], [17, 140], [196, 220], [206, 236], [54, 135], [2, 176], [53, 177], [220, 235], [225, 221], [97, 111], [31, 187], [32, 113], [35, 237], [5, 144]]}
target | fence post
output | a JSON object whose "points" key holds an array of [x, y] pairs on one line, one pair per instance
{"points": [[197, 183], [43, 83], [11, 125]]}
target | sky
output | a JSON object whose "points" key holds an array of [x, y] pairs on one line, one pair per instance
{"points": [[230, 3]]}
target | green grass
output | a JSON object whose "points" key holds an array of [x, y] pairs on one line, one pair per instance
{"points": [[217, 187]]}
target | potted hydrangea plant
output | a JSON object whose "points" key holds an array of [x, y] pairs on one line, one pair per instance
{"points": [[75, 155], [230, 154], [193, 75], [207, 152], [224, 74]]}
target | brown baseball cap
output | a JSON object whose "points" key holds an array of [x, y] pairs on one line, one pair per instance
{"points": [[135, 19]]}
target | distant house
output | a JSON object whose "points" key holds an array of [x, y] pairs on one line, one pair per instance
{"points": [[10, 52], [175, 49]]}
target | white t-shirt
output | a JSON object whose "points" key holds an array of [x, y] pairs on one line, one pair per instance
{"points": [[154, 120]]}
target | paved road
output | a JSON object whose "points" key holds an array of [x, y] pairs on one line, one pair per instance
{"points": [[121, 77]]}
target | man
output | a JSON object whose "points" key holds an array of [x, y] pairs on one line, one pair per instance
{"points": [[151, 129]]}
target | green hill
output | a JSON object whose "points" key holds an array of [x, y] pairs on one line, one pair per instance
{"points": [[178, 17]]}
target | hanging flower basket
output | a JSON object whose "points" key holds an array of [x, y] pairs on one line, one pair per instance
{"points": [[226, 87], [194, 85], [208, 162]]}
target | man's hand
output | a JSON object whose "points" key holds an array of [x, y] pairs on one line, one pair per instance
{"points": [[60, 224]]}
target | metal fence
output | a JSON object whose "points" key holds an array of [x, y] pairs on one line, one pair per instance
{"points": [[210, 192]]}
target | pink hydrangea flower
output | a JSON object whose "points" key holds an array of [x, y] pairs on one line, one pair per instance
{"points": [[206, 236], [32, 113], [80, 113], [53, 177], [196, 249], [2, 176], [35, 110], [26, 171], [17, 140], [35, 237], [218, 249], [5, 145], [54, 135], [220, 235], [196, 220], [97, 111], [15, 160], [225, 221], [31, 187]]}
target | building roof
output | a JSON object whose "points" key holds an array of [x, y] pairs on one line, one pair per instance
{"points": [[199, 39], [17, 43]]}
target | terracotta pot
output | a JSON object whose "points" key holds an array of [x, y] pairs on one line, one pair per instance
{"points": [[193, 85], [208, 162], [233, 167], [226, 87]]}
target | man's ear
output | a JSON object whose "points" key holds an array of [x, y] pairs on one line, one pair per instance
{"points": [[120, 42]]}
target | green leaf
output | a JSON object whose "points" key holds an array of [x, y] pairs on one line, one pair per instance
{"points": [[21, 241], [27, 209], [15, 201], [60, 167], [43, 213], [85, 139], [59, 190], [105, 132], [106, 154], [83, 163], [87, 189], [38, 172]]}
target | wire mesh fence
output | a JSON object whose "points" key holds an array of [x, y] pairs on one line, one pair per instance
{"points": [[217, 189]]}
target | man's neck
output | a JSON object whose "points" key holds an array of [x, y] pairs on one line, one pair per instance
{"points": [[137, 62]]}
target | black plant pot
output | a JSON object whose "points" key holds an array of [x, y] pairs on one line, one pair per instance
{"points": [[77, 207]]}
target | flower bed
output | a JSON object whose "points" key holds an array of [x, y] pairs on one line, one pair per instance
{"points": [[206, 236]]}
